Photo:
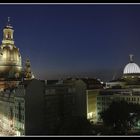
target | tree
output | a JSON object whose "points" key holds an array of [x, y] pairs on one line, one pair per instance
{"points": [[121, 116], [75, 126]]}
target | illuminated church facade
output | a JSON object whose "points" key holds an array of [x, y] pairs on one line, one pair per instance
{"points": [[11, 70], [12, 75], [34, 107]]}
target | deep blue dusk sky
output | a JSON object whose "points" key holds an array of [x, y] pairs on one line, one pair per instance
{"points": [[66, 40]]}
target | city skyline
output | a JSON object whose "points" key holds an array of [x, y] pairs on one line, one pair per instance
{"points": [[64, 40]]}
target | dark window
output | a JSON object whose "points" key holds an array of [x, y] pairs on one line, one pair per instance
{"points": [[19, 111], [11, 113], [9, 36]]}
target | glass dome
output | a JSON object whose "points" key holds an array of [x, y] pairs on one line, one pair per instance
{"points": [[131, 68]]}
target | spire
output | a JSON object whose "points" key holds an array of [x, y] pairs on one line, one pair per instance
{"points": [[131, 58], [8, 23], [28, 75]]}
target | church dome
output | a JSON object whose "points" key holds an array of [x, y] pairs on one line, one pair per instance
{"points": [[131, 67], [10, 55], [10, 58]]}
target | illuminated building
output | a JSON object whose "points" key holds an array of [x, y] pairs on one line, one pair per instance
{"points": [[130, 77], [33, 107], [127, 88], [11, 75], [11, 71], [10, 59], [93, 87], [7, 111], [28, 75], [106, 97]]}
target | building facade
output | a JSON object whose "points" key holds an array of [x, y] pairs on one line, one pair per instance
{"points": [[65, 99], [125, 88], [93, 87], [35, 107], [29, 106], [7, 112]]}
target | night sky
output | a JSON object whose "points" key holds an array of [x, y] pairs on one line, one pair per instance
{"points": [[75, 40]]}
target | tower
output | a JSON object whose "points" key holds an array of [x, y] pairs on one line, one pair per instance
{"points": [[8, 34], [28, 75]]}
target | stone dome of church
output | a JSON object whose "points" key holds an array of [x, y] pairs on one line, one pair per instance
{"points": [[10, 58], [131, 67], [10, 55]]}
